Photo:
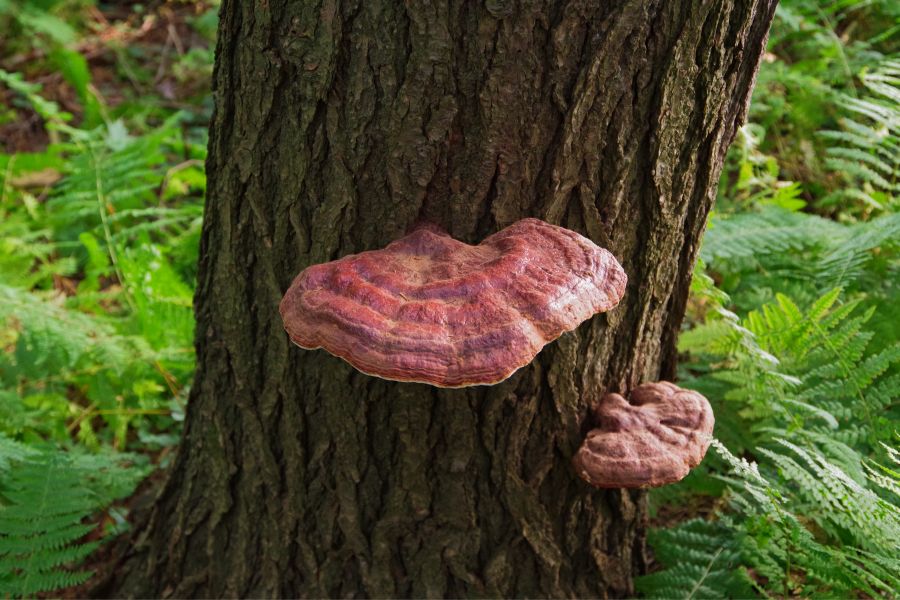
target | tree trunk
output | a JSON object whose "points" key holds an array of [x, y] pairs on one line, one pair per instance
{"points": [[339, 124]]}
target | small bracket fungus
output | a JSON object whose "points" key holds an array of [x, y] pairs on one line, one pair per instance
{"points": [[432, 309], [654, 438]]}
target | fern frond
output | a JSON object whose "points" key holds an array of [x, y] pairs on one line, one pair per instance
{"points": [[703, 560], [771, 231], [53, 338], [779, 543], [45, 499]]}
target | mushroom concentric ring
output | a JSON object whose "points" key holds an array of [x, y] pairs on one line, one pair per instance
{"points": [[431, 309]]}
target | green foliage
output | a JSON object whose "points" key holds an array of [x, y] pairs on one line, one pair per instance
{"points": [[825, 102], [786, 515], [99, 231], [792, 329], [117, 353], [54, 118], [46, 499], [810, 394], [865, 151], [117, 349], [705, 560], [809, 372], [47, 30]]}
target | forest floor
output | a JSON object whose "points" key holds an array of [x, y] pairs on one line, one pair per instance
{"points": [[156, 56]]}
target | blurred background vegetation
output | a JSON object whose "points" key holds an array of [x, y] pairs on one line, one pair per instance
{"points": [[793, 329]]}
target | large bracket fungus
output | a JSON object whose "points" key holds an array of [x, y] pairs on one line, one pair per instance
{"points": [[431, 309], [654, 438]]}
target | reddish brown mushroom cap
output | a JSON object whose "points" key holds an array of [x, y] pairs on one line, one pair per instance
{"points": [[432, 309], [654, 438]]}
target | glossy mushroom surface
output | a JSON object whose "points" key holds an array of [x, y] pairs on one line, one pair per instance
{"points": [[653, 438], [431, 309]]}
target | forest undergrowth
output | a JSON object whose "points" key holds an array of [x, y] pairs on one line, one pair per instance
{"points": [[792, 331]]}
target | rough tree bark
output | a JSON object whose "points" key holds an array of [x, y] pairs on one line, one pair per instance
{"points": [[337, 125]]}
